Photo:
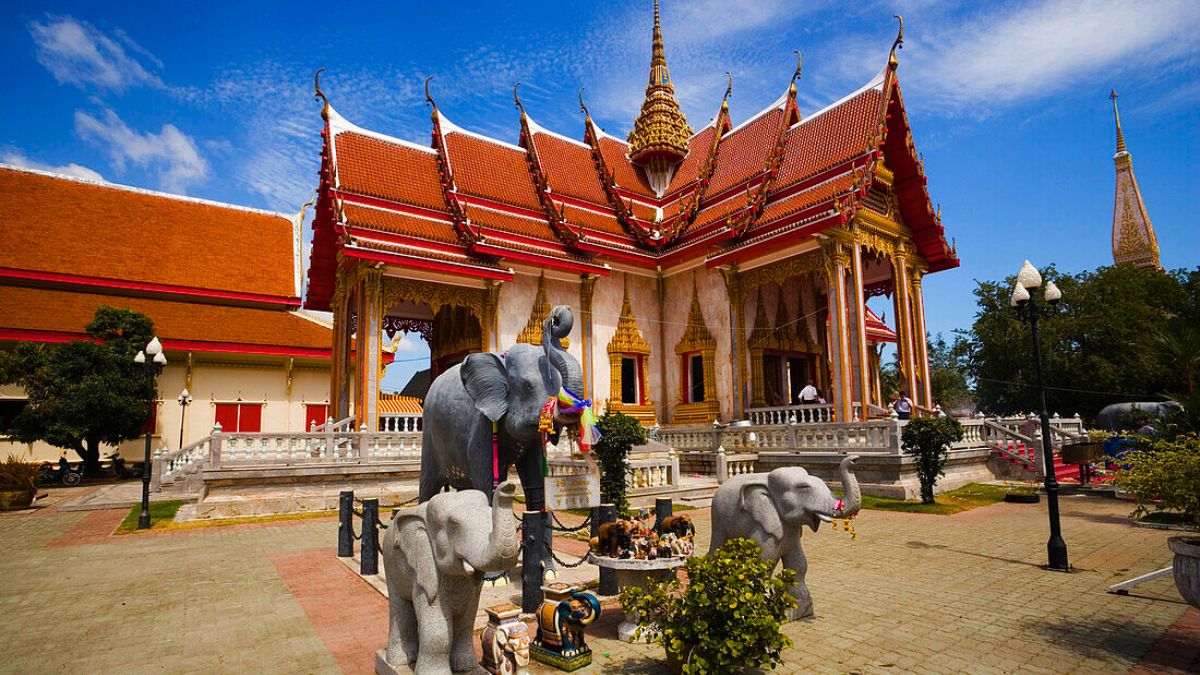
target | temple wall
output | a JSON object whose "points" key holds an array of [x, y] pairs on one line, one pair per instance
{"points": [[516, 305], [714, 304], [211, 383], [606, 310]]}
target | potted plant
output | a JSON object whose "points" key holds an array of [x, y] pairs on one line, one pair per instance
{"points": [[727, 619], [18, 483], [1164, 476]]}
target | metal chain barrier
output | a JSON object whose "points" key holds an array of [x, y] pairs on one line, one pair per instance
{"points": [[562, 562], [559, 527]]}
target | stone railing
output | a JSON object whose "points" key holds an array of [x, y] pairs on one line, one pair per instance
{"points": [[873, 436], [400, 422], [651, 474], [791, 414], [169, 465], [730, 465], [271, 449], [344, 424]]}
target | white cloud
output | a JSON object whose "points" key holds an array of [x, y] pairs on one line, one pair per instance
{"points": [[170, 152], [79, 54], [1035, 50], [18, 158]]}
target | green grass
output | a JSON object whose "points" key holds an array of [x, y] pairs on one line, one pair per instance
{"points": [[956, 501], [161, 514]]}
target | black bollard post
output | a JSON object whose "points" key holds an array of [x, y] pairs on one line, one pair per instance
{"points": [[369, 555], [533, 552], [608, 577], [662, 510], [548, 531], [346, 524]]}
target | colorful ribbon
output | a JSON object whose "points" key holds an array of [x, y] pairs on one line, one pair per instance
{"points": [[589, 431]]}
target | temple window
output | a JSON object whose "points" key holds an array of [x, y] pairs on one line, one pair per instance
{"points": [[315, 413], [238, 416], [695, 382], [697, 378], [628, 351]]}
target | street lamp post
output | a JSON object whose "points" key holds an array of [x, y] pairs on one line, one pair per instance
{"points": [[1031, 312], [156, 359], [184, 399]]}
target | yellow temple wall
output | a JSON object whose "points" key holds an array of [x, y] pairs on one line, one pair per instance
{"points": [[606, 310]]}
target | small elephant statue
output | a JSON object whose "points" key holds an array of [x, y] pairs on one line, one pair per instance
{"points": [[564, 614], [772, 509], [505, 642], [1111, 417], [613, 539], [434, 557], [680, 526]]}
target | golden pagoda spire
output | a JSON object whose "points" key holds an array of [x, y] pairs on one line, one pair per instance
{"points": [[659, 140], [1133, 240]]}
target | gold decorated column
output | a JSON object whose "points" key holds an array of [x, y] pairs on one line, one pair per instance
{"points": [[922, 338], [860, 327], [587, 292], [737, 329], [836, 262], [489, 322], [904, 326], [339, 357], [370, 326]]}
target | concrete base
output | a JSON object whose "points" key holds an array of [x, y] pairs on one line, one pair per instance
{"points": [[382, 667], [234, 500]]}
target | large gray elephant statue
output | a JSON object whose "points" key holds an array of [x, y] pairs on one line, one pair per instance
{"points": [[773, 508], [434, 557], [1109, 417], [501, 391]]}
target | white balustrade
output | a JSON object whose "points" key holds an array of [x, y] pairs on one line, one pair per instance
{"points": [[791, 414], [400, 422]]}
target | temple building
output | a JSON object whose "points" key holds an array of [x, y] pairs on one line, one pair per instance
{"points": [[1133, 240], [711, 271], [220, 282]]}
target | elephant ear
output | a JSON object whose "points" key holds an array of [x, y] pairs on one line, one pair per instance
{"points": [[420, 555], [756, 501], [486, 382]]}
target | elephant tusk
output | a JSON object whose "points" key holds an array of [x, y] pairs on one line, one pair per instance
{"points": [[825, 518]]}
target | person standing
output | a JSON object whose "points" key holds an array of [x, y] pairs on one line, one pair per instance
{"points": [[810, 395], [903, 406]]}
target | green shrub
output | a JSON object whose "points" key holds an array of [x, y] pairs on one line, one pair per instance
{"points": [[928, 439], [1164, 475], [729, 617], [618, 434]]}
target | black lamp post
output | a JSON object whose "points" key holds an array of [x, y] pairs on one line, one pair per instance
{"points": [[185, 397], [157, 360], [1030, 311]]}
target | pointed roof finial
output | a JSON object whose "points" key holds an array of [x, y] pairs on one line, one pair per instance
{"points": [[728, 91], [320, 95], [658, 56], [796, 75], [1121, 149], [429, 99], [583, 108], [898, 43], [517, 99], [659, 139]]}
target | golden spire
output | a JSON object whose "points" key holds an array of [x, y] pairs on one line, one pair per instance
{"points": [[1133, 239], [659, 140], [1121, 149]]}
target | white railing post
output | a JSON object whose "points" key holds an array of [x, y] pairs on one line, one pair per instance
{"points": [[214, 448], [722, 465], [361, 445], [156, 471]]}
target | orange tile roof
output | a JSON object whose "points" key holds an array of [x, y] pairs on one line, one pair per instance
{"points": [[689, 170], [370, 166], [61, 225], [463, 258], [569, 168], [492, 171], [395, 404], [720, 210], [806, 198], [40, 309], [399, 223], [834, 136], [625, 174], [529, 227], [743, 152], [604, 222]]}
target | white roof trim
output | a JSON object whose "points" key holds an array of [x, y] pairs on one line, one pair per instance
{"points": [[449, 127], [289, 217], [777, 104], [535, 128], [373, 207], [339, 124], [600, 133], [875, 83], [312, 317]]}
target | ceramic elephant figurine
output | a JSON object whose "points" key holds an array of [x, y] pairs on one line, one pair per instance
{"points": [[772, 509], [501, 396], [1110, 416], [434, 557]]}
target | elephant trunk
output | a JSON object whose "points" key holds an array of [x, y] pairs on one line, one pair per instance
{"points": [[503, 546], [558, 326], [852, 500]]}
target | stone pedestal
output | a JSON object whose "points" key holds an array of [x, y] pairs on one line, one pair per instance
{"points": [[634, 572]]}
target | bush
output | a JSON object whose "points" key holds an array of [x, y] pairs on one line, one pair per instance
{"points": [[618, 434], [1165, 475], [729, 617], [928, 439], [18, 476]]}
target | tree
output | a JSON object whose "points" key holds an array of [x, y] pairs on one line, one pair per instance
{"points": [[618, 434], [84, 393], [1093, 347], [928, 439], [948, 373]]}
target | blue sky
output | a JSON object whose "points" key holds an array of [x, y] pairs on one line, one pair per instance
{"points": [[1008, 101]]}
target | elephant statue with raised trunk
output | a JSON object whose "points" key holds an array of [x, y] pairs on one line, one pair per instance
{"points": [[773, 508], [482, 416], [434, 557]]}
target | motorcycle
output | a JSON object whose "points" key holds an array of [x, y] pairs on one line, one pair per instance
{"points": [[119, 468], [64, 473]]}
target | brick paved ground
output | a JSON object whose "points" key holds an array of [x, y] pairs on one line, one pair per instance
{"points": [[914, 593]]}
